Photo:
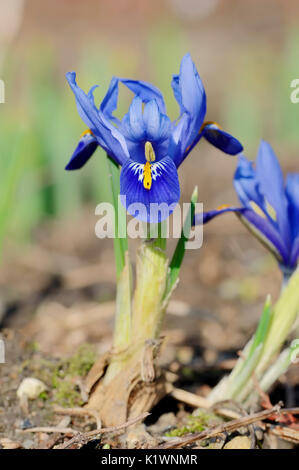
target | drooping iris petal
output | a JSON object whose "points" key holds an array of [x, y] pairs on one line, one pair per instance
{"points": [[262, 228], [217, 137], [209, 215], [221, 139], [160, 200], [271, 183], [84, 150], [106, 134]]}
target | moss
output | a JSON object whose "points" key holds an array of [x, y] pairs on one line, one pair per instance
{"points": [[82, 361], [44, 395], [66, 394], [195, 423], [59, 375]]}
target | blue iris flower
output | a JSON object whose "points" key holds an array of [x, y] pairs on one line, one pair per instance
{"points": [[270, 207], [145, 143]]}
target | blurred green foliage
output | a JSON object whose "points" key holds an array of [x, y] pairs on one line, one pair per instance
{"points": [[258, 104]]}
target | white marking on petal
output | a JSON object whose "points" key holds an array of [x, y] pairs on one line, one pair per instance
{"points": [[157, 170], [137, 169]]}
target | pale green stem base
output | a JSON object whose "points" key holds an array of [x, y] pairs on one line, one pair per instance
{"points": [[239, 385], [142, 321]]}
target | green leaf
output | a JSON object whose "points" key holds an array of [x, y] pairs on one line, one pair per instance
{"points": [[120, 243], [178, 256], [262, 328]]}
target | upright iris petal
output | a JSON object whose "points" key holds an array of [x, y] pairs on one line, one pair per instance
{"points": [[270, 210], [145, 142]]}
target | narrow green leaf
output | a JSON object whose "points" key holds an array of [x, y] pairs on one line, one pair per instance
{"points": [[178, 256], [262, 328], [242, 373], [120, 243]]}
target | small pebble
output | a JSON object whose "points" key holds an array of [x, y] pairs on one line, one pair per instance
{"points": [[30, 388], [239, 442]]}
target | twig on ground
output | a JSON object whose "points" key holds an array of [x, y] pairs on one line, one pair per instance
{"points": [[56, 436], [79, 412], [50, 429], [226, 427], [196, 401], [242, 412], [189, 398], [286, 433], [82, 438]]}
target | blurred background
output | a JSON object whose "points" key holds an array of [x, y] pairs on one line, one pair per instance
{"points": [[54, 271]]}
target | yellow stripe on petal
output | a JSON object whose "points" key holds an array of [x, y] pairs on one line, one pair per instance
{"points": [[271, 211], [257, 209], [147, 176], [147, 171]]}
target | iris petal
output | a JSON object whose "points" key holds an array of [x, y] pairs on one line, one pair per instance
{"points": [[209, 215], [177, 141], [271, 183], [191, 97], [145, 91], [136, 119], [266, 233], [109, 103], [294, 253], [106, 134], [221, 139], [292, 192], [164, 193], [246, 184], [85, 149], [151, 118]]}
